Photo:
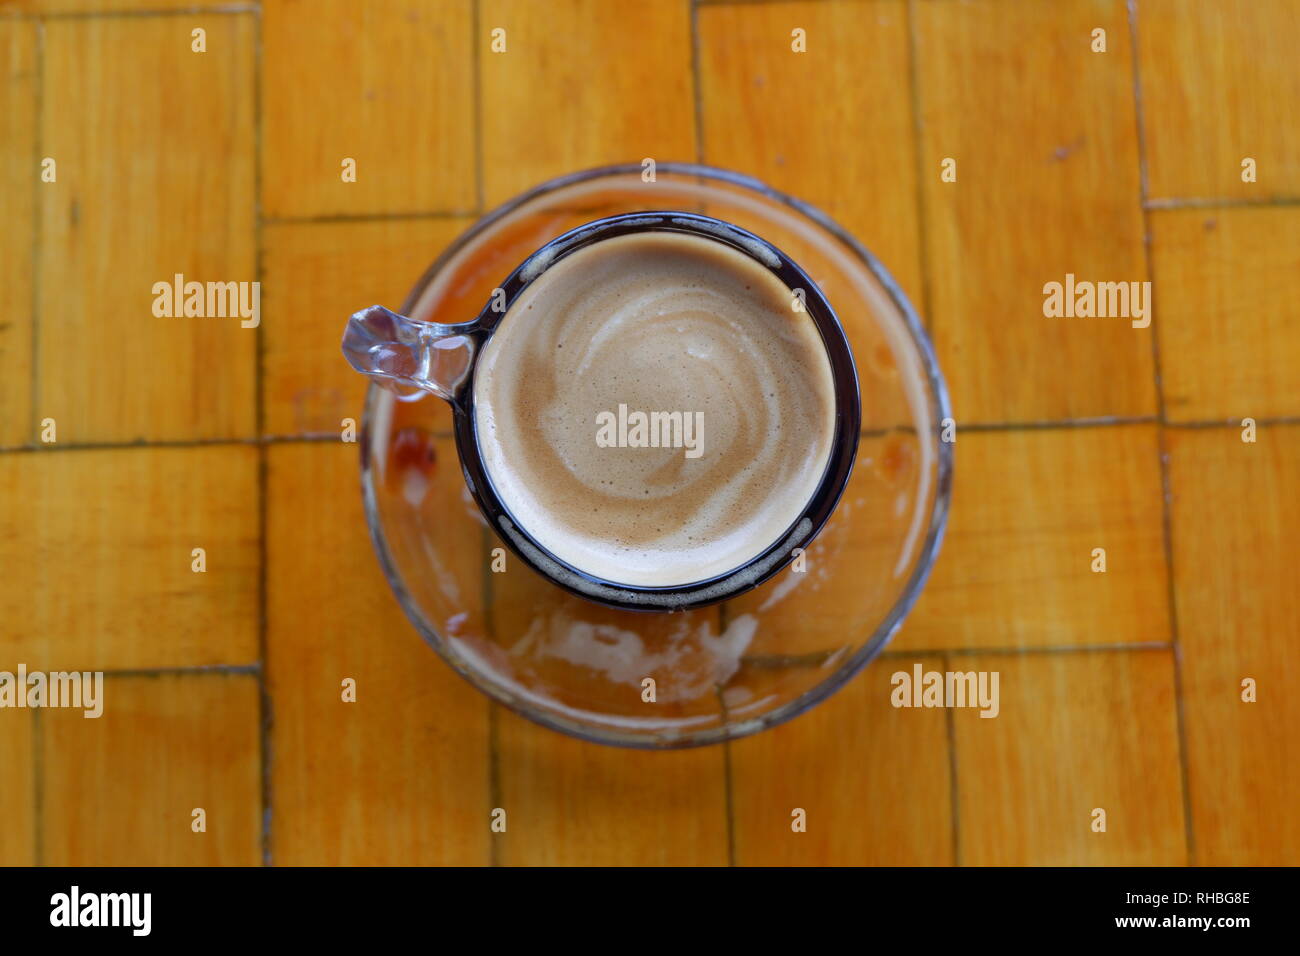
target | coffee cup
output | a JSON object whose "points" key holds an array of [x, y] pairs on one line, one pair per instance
{"points": [[642, 508]]}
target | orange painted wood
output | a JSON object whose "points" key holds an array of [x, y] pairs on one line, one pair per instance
{"points": [[1044, 137], [1236, 521], [582, 83], [316, 275], [386, 85], [173, 161], [20, 173], [873, 781], [18, 792], [400, 776], [572, 803], [1229, 317], [155, 180], [1076, 732], [122, 788], [832, 125], [107, 6], [1030, 509], [1219, 84], [98, 547]]}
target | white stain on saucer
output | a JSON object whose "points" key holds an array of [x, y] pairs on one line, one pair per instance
{"points": [[688, 663]]}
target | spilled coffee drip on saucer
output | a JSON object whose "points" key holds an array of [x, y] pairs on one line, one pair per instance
{"points": [[655, 339]]}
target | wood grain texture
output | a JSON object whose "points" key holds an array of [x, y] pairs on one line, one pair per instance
{"points": [[160, 159], [1029, 508], [109, 6], [122, 788], [1075, 732], [1229, 320], [582, 83], [570, 803], [832, 125], [387, 85], [1236, 521], [872, 779], [1045, 139], [18, 789], [316, 275], [99, 556], [400, 776], [155, 179], [1219, 84], [19, 175]]}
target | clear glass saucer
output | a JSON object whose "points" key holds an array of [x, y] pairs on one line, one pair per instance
{"points": [[647, 679]]}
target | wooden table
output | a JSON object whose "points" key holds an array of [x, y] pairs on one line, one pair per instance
{"points": [[1120, 691]]}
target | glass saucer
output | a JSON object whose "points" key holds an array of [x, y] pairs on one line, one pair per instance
{"points": [[649, 679]]}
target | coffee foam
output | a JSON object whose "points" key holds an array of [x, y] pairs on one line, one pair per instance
{"points": [[655, 322]]}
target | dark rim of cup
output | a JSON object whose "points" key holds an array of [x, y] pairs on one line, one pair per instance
{"points": [[801, 531]]}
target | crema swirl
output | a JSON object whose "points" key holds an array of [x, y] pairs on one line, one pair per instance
{"points": [[654, 410]]}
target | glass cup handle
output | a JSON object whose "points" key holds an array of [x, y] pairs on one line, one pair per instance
{"points": [[407, 357]]}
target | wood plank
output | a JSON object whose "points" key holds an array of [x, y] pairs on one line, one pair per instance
{"points": [[19, 171], [570, 803], [157, 176], [1229, 317], [108, 6], [18, 794], [1074, 733], [872, 779], [396, 78], [1218, 87], [781, 115], [1236, 523], [1029, 508], [155, 180], [121, 789], [617, 88], [1045, 139], [316, 275], [400, 776], [100, 558]]}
